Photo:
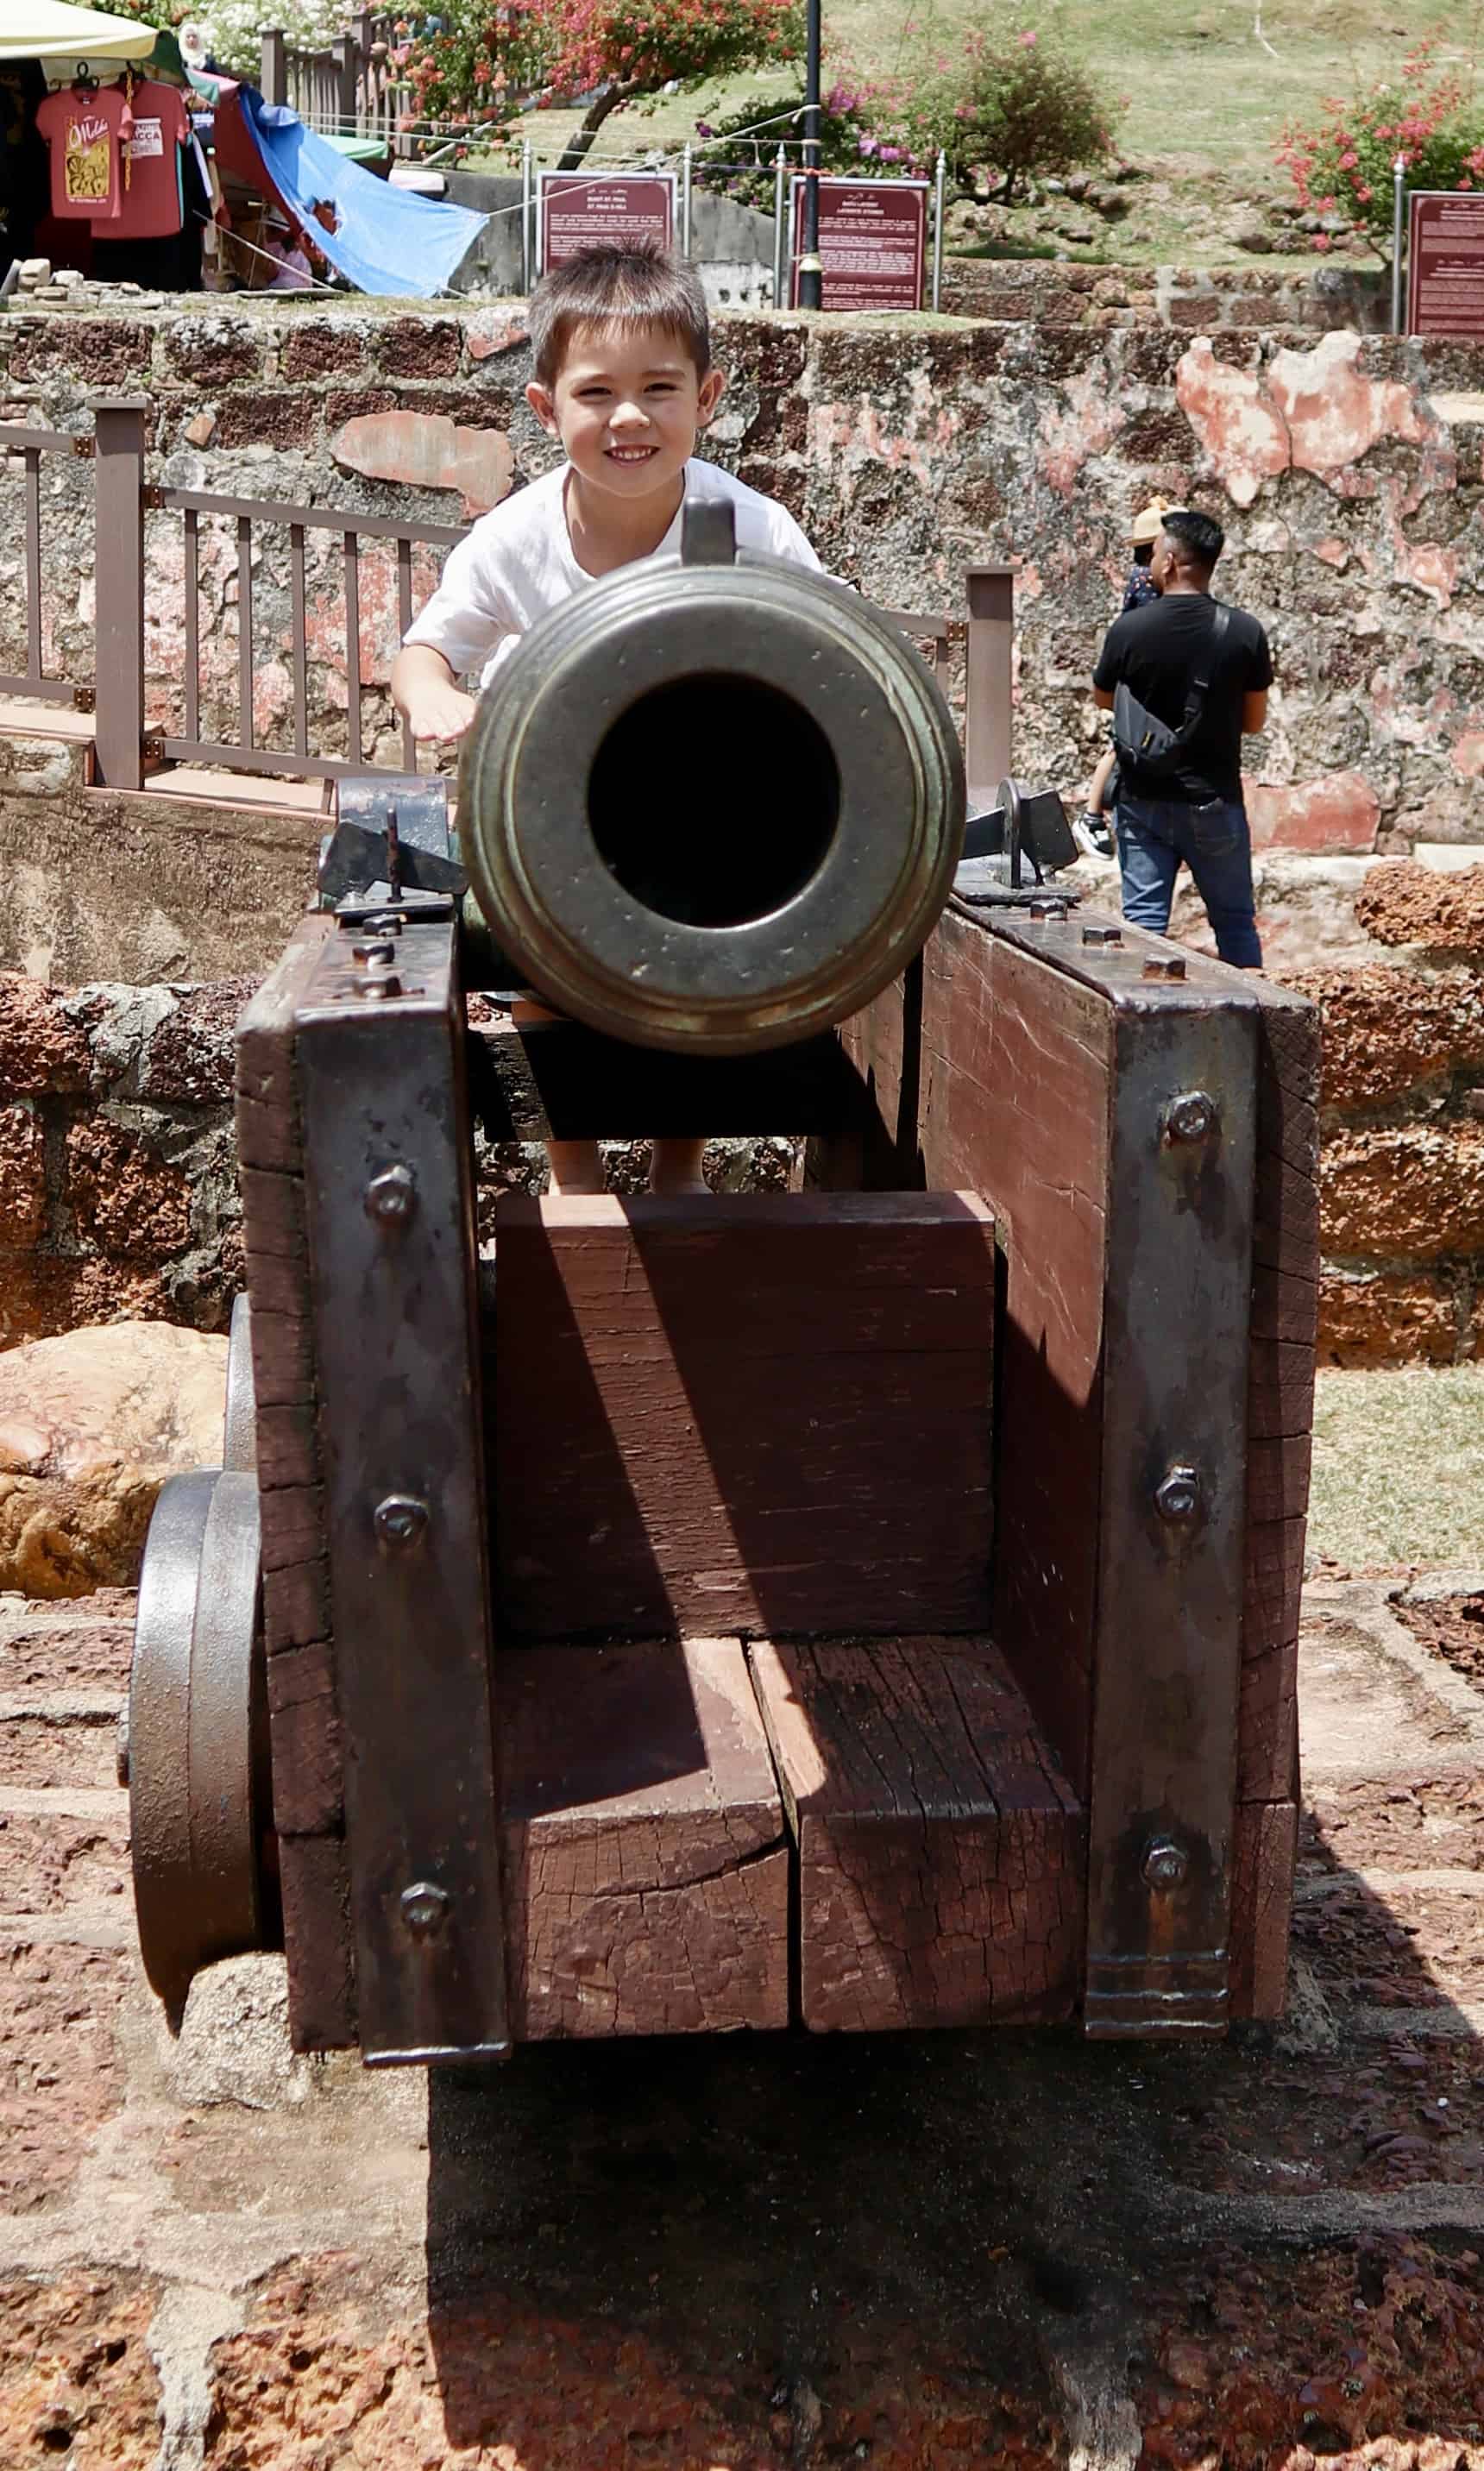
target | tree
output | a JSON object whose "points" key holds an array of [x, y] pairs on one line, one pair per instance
{"points": [[615, 50], [477, 63], [1343, 166]]}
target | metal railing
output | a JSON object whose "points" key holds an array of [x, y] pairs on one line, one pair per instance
{"points": [[28, 446], [352, 88], [217, 728], [124, 747]]}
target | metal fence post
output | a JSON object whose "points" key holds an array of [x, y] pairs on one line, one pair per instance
{"points": [[687, 167], [939, 192], [118, 477], [526, 231], [988, 676], [272, 70], [1398, 238], [780, 236]]}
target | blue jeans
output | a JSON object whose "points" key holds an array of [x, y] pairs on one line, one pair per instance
{"points": [[1155, 833]]}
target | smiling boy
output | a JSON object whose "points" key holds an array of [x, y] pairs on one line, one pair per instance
{"points": [[624, 379]]}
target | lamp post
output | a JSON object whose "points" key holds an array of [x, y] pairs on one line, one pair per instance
{"points": [[810, 268]]}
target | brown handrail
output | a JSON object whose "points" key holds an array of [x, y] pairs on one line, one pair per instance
{"points": [[35, 682], [123, 752]]}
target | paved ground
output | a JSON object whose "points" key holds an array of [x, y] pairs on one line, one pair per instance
{"points": [[924, 2251]]}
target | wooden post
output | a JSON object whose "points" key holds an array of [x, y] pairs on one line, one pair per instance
{"points": [[272, 71], [119, 537], [987, 676]]}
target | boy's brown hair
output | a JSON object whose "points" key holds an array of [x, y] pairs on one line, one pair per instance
{"points": [[638, 285]]}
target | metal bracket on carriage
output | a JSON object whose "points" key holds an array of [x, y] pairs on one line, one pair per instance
{"points": [[1022, 825], [391, 846]]}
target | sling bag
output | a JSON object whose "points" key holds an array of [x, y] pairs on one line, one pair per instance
{"points": [[1148, 743]]}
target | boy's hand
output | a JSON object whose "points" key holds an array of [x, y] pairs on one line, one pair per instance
{"points": [[439, 712]]}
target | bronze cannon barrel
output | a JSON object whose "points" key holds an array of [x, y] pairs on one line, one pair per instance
{"points": [[714, 803]]}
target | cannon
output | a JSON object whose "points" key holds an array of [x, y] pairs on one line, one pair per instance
{"points": [[871, 1605]]}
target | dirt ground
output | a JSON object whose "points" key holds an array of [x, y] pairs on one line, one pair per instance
{"points": [[741, 2255]]}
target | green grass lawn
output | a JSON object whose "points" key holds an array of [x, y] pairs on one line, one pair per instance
{"points": [[1399, 1468], [1206, 99]]}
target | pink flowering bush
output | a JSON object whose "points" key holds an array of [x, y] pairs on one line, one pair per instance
{"points": [[479, 62], [1015, 104], [1006, 108], [1426, 115]]}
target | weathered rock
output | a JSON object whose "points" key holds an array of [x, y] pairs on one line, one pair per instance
{"points": [[233, 2044], [91, 1424], [426, 451], [42, 1049], [1410, 1193], [1338, 814], [1404, 904], [22, 1176], [1386, 1029], [1391, 1317]]}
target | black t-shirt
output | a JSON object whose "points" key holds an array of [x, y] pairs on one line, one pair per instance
{"points": [[1156, 651]]}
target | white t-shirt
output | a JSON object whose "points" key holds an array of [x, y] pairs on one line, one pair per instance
{"points": [[517, 563]]}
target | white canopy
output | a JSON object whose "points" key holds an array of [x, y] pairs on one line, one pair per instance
{"points": [[32, 29]]}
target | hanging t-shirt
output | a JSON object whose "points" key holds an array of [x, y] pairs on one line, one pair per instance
{"points": [[84, 127], [150, 207]]}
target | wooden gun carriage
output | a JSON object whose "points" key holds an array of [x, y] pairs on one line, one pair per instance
{"points": [[866, 1606]]}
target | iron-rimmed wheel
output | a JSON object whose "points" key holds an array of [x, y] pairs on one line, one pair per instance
{"points": [[198, 1783], [240, 1437]]}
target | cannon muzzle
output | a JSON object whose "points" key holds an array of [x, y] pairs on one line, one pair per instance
{"points": [[714, 803]]}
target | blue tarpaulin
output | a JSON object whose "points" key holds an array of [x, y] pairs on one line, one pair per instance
{"points": [[387, 240]]}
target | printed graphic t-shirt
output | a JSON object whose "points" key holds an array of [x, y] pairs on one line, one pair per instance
{"points": [[82, 131], [150, 206]]}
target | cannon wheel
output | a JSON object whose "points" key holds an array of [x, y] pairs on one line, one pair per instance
{"points": [[197, 1758], [240, 1438]]}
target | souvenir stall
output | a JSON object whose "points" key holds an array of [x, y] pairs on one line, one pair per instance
{"points": [[117, 185]]}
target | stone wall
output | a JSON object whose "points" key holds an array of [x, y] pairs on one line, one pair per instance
{"points": [[118, 1174], [118, 1188], [1347, 469], [118, 1166], [1201, 299], [1402, 1166]]}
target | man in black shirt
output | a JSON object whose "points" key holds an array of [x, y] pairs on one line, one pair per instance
{"points": [[1191, 808]]}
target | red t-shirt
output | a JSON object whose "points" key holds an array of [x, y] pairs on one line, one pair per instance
{"points": [[83, 130], [150, 205]]}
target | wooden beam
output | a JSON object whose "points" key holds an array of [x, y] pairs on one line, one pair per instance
{"points": [[646, 1862], [767, 1413], [940, 1846]]}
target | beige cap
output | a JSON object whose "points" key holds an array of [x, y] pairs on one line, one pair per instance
{"points": [[1148, 524]]}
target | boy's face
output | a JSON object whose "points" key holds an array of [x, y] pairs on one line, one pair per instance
{"points": [[627, 405]]}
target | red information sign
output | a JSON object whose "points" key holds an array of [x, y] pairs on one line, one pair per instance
{"points": [[584, 209], [873, 239], [1444, 293]]}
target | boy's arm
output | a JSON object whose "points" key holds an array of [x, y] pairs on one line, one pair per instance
{"points": [[453, 637], [427, 695]]}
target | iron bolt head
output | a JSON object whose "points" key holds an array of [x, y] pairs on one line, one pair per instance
{"points": [[1102, 935], [401, 1523], [369, 952], [425, 1909], [385, 983], [1164, 965], [1190, 1118], [1166, 1863], [1054, 909], [1177, 1497], [391, 1196]]}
